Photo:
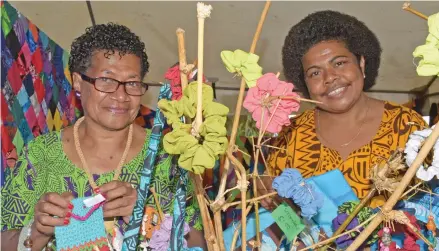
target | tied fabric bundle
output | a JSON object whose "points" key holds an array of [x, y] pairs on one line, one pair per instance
{"points": [[429, 52], [195, 156], [243, 64], [259, 101], [290, 184], [173, 75]]}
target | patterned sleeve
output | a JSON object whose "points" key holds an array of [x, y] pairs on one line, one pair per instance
{"points": [[20, 193]]}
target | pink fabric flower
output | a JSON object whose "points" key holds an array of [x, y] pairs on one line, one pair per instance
{"points": [[173, 75], [161, 237], [257, 100]]}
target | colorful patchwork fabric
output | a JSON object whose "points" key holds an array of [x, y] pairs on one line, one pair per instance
{"points": [[37, 94], [44, 167]]}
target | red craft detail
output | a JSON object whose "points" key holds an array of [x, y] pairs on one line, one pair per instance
{"points": [[410, 236], [173, 75]]}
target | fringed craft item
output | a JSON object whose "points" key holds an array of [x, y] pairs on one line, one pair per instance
{"points": [[131, 238], [85, 230]]}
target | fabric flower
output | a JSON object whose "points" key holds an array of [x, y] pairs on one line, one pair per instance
{"points": [[258, 101], [429, 52], [244, 64], [161, 237], [290, 184], [195, 156], [173, 75]]}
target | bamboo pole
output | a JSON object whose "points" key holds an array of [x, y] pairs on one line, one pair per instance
{"points": [[230, 150], [405, 181], [182, 57], [407, 7], [210, 236]]}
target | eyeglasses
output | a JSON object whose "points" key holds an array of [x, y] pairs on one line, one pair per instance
{"points": [[109, 85]]}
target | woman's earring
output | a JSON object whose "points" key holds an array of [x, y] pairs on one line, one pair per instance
{"points": [[78, 94]]}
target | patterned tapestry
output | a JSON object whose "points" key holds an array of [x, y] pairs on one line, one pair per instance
{"points": [[37, 94]]}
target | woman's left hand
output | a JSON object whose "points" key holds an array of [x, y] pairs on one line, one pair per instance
{"points": [[120, 199]]}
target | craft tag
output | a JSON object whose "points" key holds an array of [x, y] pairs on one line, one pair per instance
{"points": [[288, 221], [89, 202]]}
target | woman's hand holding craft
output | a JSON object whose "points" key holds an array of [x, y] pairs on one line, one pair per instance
{"points": [[52, 210], [120, 199]]}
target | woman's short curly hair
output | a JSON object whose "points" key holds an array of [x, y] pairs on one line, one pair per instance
{"points": [[326, 26], [110, 38]]}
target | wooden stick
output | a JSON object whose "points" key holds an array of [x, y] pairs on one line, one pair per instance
{"points": [[157, 202], [236, 233], [227, 205], [406, 6], [255, 186], [236, 118], [182, 57], [212, 243], [405, 181], [295, 98], [199, 116]]}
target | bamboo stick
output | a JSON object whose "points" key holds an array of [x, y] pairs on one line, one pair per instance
{"points": [[405, 181], [210, 236], [182, 57], [232, 142], [211, 242], [406, 6], [227, 205], [157, 202], [203, 11]]}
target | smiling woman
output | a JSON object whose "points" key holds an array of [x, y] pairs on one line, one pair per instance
{"points": [[333, 58], [103, 153]]}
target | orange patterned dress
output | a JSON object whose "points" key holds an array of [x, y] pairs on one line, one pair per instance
{"points": [[305, 152]]}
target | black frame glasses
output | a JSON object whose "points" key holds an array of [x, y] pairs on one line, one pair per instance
{"points": [[124, 83]]}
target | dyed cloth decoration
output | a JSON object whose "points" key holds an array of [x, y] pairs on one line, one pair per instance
{"points": [[243, 64], [290, 184], [275, 111], [429, 52], [194, 156]]}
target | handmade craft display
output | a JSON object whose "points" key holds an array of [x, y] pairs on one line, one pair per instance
{"points": [[199, 137]]}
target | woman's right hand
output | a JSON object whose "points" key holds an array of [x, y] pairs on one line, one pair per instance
{"points": [[52, 210]]}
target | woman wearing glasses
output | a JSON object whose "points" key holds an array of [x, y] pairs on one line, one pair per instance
{"points": [[103, 152]]}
